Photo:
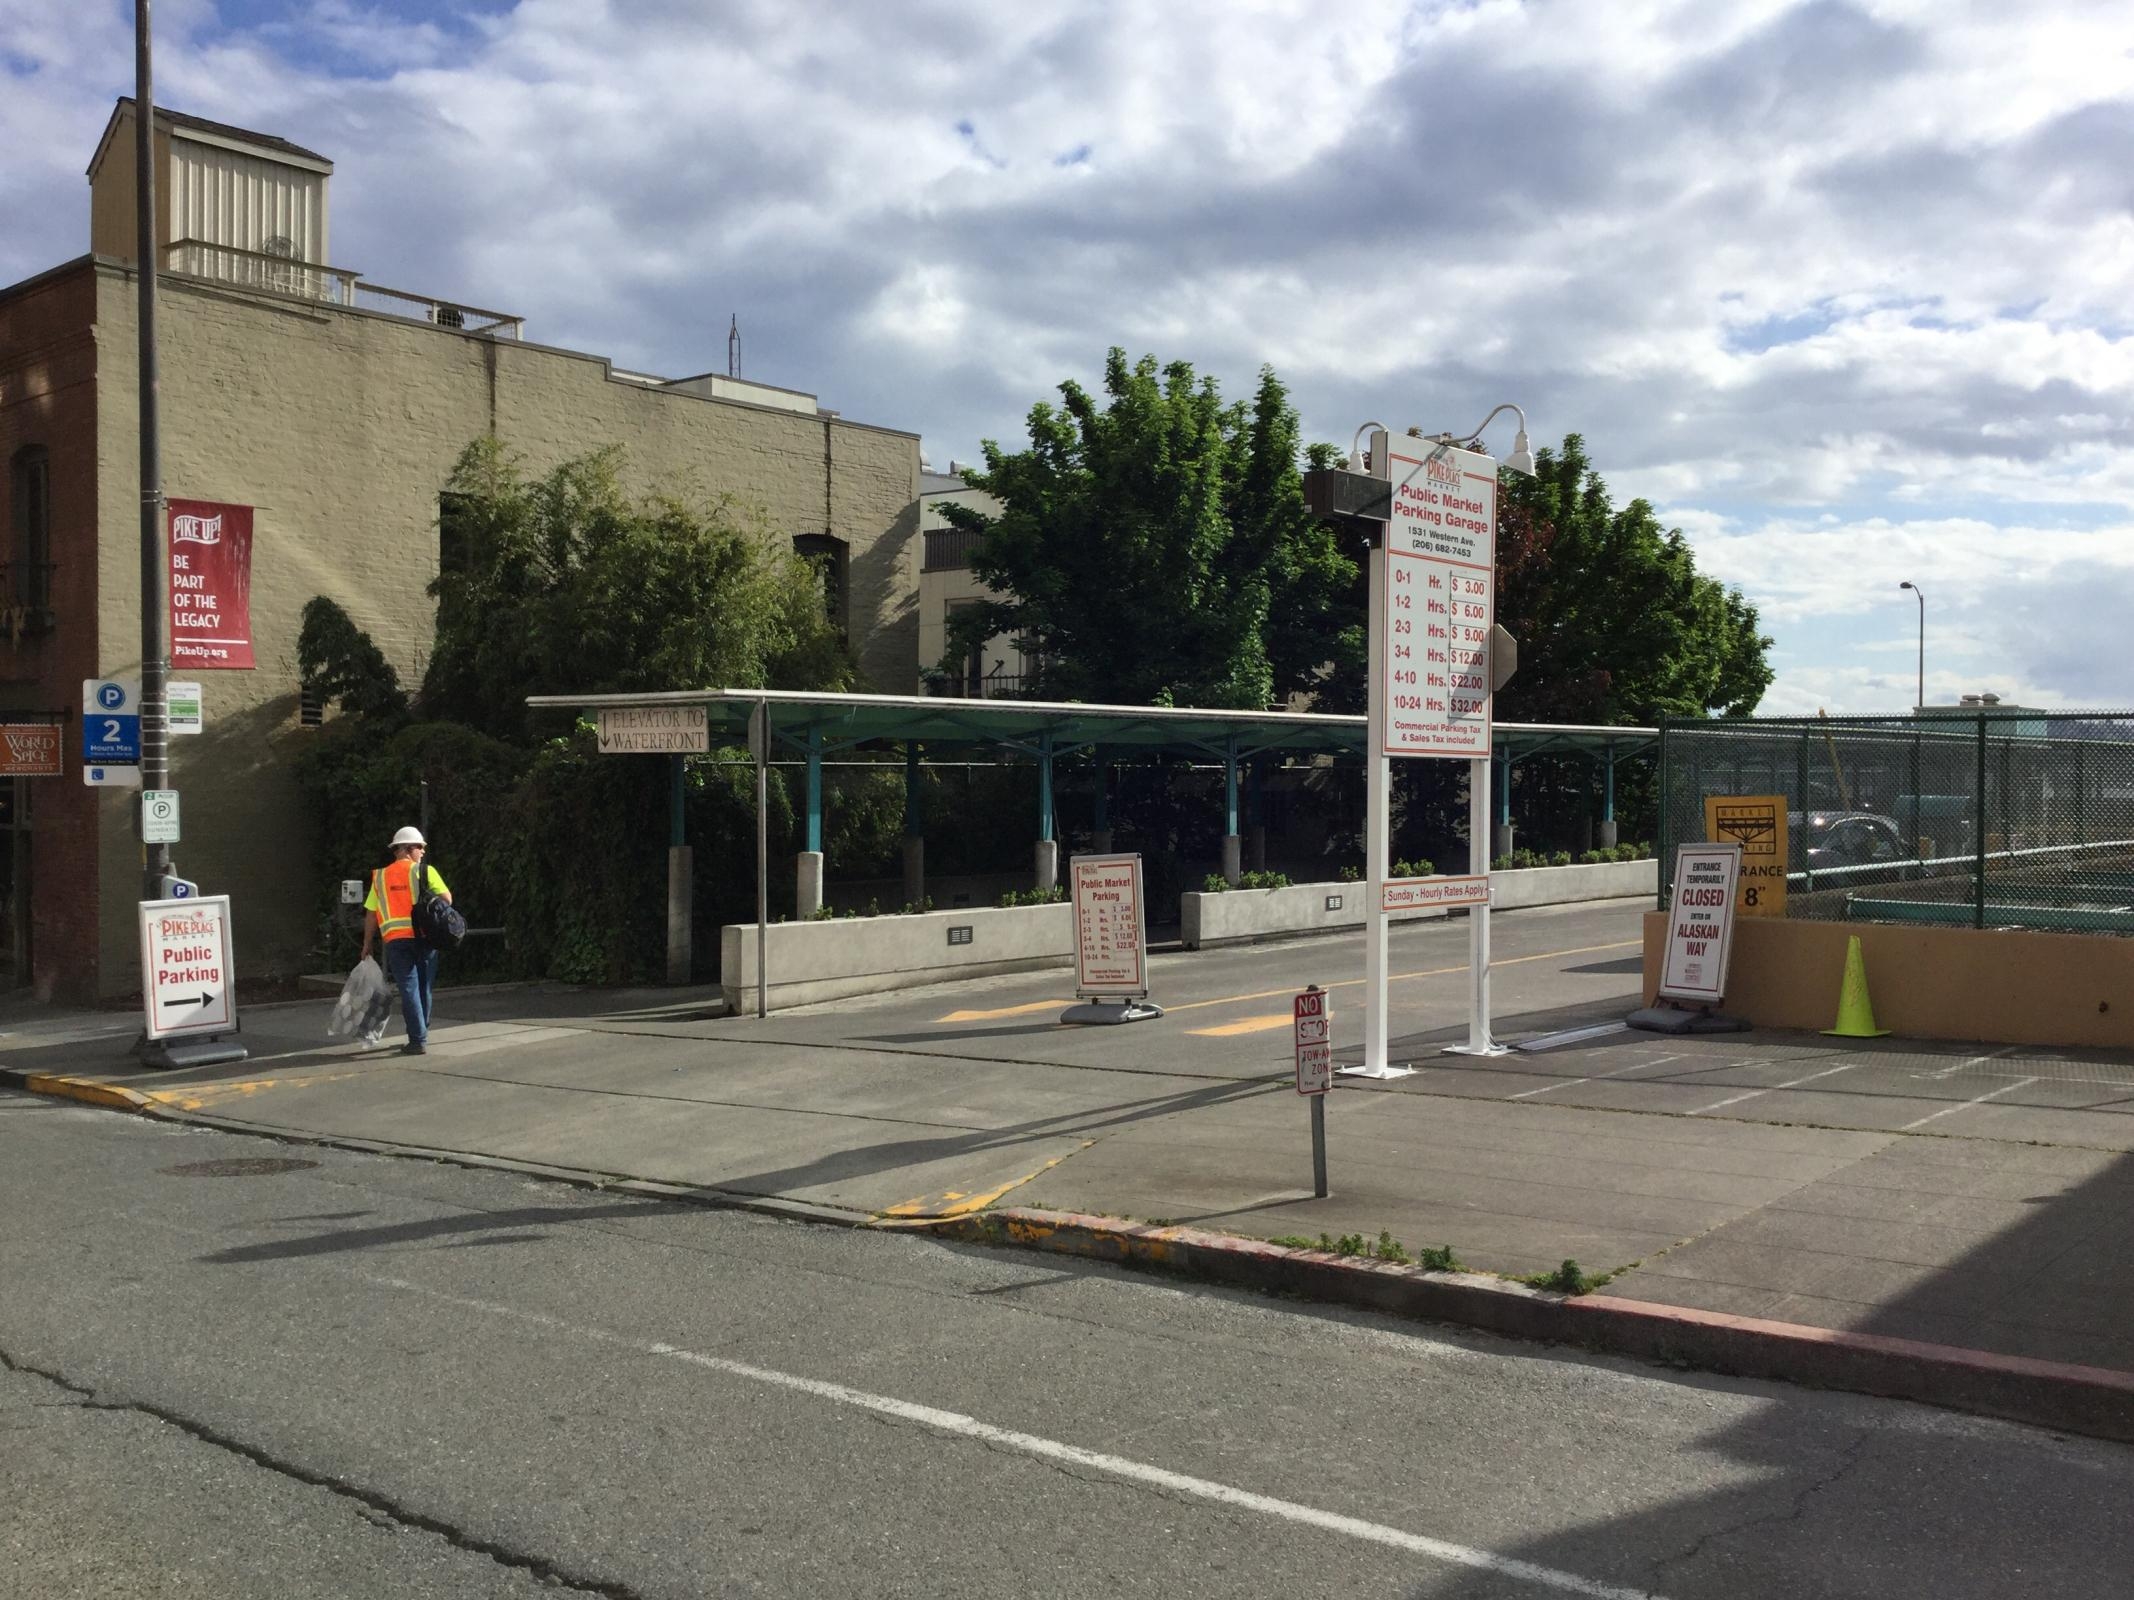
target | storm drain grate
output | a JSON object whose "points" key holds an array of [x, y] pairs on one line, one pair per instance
{"points": [[239, 1167]]}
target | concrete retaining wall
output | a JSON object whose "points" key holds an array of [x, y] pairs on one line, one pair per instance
{"points": [[1562, 886], [1987, 985], [813, 961], [1236, 914]]}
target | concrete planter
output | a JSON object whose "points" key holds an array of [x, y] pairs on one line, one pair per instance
{"points": [[814, 961], [1240, 914], [1562, 886]]}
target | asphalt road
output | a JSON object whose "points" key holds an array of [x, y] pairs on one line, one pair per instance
{"points": [[358, 1375]]}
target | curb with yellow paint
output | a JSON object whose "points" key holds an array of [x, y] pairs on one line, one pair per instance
{"points": [[87, 1090]]}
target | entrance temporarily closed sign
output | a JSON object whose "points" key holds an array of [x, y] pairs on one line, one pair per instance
{"points": [[1700, 923]]}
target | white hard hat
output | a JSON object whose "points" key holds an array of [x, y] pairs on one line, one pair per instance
{"points": [[410, 836]]}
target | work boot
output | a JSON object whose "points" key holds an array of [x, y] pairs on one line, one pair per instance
{"points": [[413, 1050]]}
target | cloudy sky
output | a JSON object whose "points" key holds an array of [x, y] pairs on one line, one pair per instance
{"points": [[1845, 288]]}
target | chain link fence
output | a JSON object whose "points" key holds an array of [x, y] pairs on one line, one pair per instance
{"points": [[1983, 817]]}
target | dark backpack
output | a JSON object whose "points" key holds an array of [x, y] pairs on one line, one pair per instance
{"points": [[438, 923]]}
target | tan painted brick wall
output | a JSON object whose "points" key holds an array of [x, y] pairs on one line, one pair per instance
{"points": [[339, 428]]}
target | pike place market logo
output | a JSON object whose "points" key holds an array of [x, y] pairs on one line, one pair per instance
{"points": [[1755, 829]]}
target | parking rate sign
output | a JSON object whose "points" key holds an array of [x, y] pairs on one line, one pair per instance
{"points": [[1439, 601], [187, 982]]}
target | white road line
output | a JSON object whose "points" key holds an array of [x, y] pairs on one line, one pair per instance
{"points": [[1975, 1061], [1827, 1072], [955, 1422], [1965, 1105], [1598, 1077], [1550, 1041]]}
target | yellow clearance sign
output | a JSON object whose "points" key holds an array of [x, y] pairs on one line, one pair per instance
{"points": [[1756, 822]]}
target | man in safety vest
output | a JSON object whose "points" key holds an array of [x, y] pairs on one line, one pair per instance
{"points": [[391, 907]]}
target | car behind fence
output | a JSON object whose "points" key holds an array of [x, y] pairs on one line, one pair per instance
{"points": [[1988, 817]]}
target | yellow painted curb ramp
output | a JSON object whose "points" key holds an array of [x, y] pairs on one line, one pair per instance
{"points": [[1856, 1016]]}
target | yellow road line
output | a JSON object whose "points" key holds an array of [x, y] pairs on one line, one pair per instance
{"points": [[960, 1202], [1401, 977], [1007, 1011], [1229, 1030]]}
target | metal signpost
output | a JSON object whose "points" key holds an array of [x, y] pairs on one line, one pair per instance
{"points": [[759, 750], [188, 985], [1110, 941], [1437, 658], [1313, 1019]]}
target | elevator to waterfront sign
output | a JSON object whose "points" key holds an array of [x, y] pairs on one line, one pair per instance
{"points": [[654, 731], [1439, 602]]}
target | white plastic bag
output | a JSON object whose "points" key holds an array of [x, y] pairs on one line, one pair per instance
{"points": [[365, 1004]]}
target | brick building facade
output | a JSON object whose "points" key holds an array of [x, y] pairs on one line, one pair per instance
{"points": [[337, 422]]}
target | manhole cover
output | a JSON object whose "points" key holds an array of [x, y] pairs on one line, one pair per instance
{"points": [[239, 1167]]}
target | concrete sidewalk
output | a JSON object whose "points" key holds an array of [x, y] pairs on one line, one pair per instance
{"points": [[1888, 1194]]}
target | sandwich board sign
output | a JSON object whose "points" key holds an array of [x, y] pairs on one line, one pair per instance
{"points": [[1700, 923], [1110, 941], [187, 983]]}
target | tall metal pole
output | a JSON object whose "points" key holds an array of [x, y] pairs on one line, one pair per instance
{"points": [[1378, 809], [155, 667], [762, 742]]}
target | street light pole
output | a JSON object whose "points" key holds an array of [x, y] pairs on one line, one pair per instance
{"points": [[1922, 599], [155, 665]]}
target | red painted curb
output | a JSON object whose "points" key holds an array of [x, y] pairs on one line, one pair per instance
{"points": [[2095, 1401]]}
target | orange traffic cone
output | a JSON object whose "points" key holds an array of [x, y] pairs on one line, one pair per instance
{"points": [[1856, 1016]]}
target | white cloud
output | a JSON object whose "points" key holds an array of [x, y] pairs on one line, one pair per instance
{"points": [[1840, 285]]}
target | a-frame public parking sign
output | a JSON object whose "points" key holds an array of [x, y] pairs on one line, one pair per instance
{"points": [[188, 987]]}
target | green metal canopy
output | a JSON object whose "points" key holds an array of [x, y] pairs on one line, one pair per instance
{"points": [[845, 720]]}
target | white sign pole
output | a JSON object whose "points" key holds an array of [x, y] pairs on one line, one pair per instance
{"points": [[1479, 1040], [1378, 811]]}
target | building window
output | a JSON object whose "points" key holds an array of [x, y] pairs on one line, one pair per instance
{"points": [[29, 563], [310, 709], [454, 552], [831, 557]]}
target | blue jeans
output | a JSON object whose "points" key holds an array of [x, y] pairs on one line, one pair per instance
{"points": [[414, 968]]}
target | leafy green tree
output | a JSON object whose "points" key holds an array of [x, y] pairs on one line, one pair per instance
{"points": [[565, 583], [1614, 622], [1155, 549]]}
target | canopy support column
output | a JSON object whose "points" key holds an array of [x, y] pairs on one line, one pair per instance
{"points": [[681, 876], [1607, 831], [807, 886], [1232, 851], [914, 830], [1048, 847], [1103, 817]]}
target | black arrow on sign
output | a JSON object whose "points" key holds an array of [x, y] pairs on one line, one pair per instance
{"points": [[205, 999]]}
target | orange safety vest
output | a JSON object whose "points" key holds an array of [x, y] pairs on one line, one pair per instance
{"points": [[394, 885]]}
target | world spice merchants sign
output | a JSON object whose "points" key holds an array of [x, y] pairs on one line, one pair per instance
{"points": [[210, 584]]}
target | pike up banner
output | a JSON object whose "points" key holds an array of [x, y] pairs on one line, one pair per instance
{"points": [[210, 584]]}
